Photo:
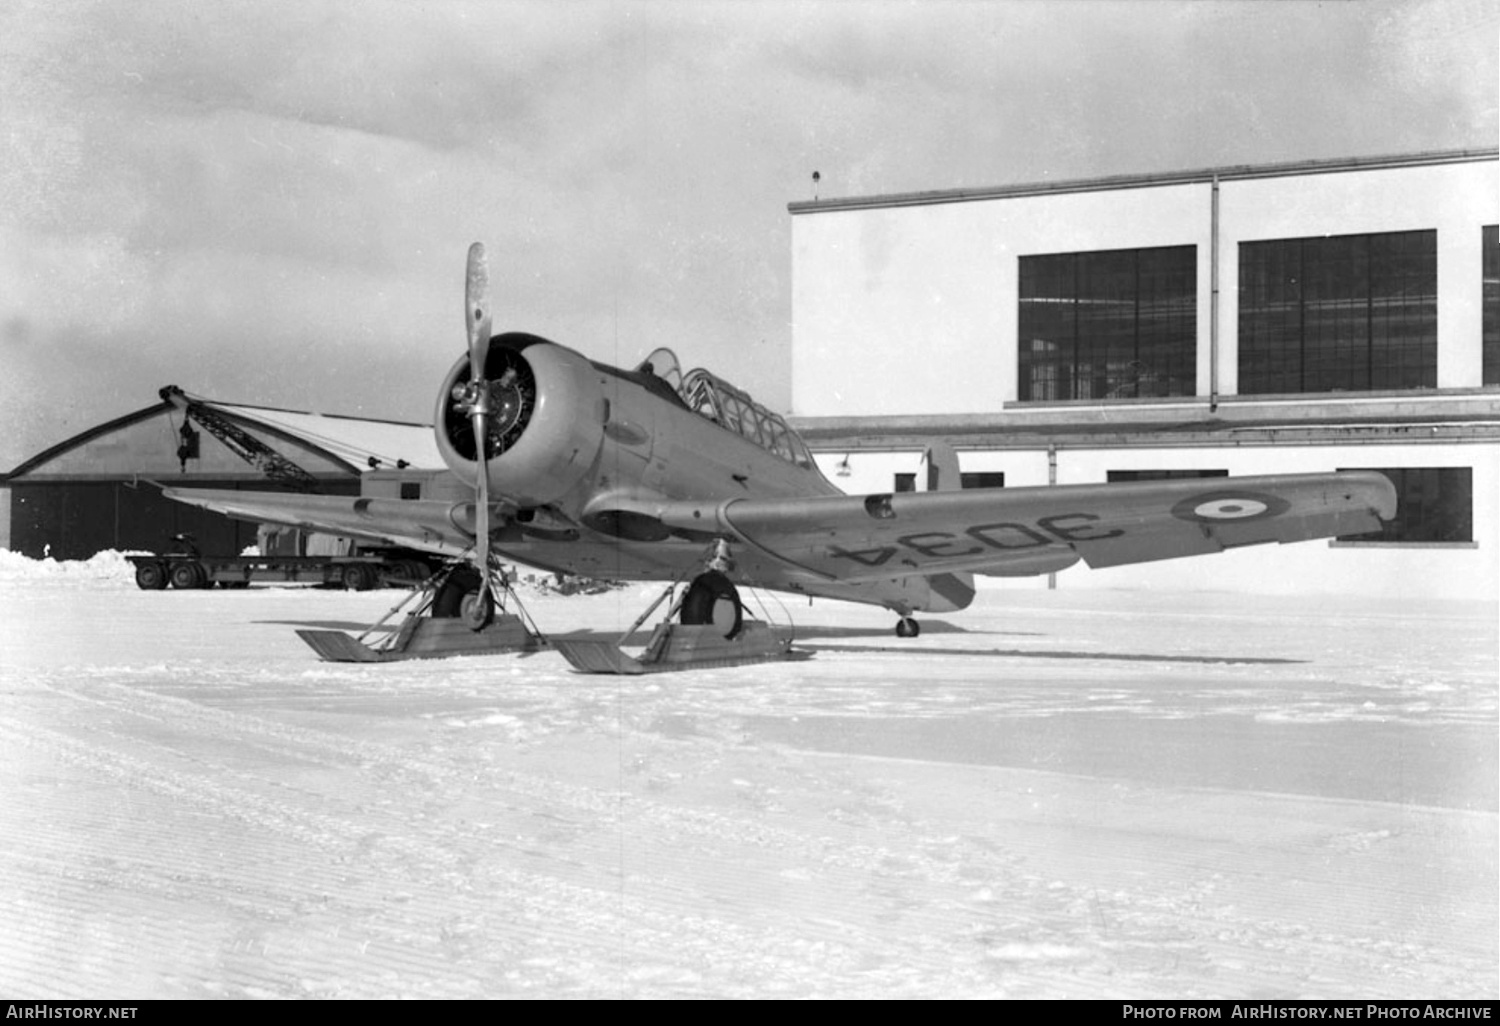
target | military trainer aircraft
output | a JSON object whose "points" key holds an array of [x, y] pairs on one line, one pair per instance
{"points": [[651, 473]]}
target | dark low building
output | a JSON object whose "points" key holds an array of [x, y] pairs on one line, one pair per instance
{"points": [[101, 489]]}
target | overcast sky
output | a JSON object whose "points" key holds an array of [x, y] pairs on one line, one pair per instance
{"points": [[269, 202]]}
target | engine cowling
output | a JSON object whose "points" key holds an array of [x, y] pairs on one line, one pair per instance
{"points": [[546, 424]]}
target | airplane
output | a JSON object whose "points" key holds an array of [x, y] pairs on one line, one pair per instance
{"points": [[570, 465]]}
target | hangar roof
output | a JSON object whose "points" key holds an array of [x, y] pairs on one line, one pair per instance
{"points": [[341, 444], [1141, 181]]}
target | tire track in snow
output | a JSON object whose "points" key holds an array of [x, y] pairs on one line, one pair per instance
{"points": [[1022, 936], [608, 930], [398, 767]]}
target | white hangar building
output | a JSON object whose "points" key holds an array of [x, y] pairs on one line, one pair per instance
{"points": [[1244, 320]]}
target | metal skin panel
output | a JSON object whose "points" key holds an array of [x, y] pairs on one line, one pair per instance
{"points": [[644, 487]]}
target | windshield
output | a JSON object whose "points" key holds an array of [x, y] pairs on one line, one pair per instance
{"points": [[663, 363]]}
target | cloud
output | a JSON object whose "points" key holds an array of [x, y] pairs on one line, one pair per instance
{"points": [[270, 197]]}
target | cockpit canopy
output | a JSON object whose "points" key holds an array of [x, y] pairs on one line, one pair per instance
{"points": [[715, 399]]}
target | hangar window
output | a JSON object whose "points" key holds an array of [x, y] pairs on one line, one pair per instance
{"points": [[1338, 313], [1160, 475], [1491, 305], [1108, 325], [975, 479], [1434, 505], [983, 479]]}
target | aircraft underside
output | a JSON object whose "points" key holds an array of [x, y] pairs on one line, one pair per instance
{"points": [[612, 559]]}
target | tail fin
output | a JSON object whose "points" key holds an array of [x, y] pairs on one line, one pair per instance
{"points": [[942, 468], [953, 590]]}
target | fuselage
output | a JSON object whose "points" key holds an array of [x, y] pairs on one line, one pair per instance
{"points": [[582, 451]]}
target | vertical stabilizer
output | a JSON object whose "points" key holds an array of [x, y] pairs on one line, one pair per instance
{"points": [[956, 589], [942, 468]]}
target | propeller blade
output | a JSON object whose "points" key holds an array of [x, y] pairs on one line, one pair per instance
{"points": [[477, 303]]}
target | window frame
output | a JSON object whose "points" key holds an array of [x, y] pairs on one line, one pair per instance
{"points": [[1321, 315], [1065, 301], [1157, 474], [1489, 276], [1412, 490], [902, 481]]}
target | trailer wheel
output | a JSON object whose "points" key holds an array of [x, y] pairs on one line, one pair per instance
{"points": [[188, 575], [358, 577], [712, 600], [150, 576]]}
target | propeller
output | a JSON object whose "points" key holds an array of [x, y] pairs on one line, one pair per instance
{"points": [[477, 316]]}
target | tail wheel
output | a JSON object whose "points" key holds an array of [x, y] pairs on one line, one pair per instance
{"points": [[712, 600], [151, 576]]}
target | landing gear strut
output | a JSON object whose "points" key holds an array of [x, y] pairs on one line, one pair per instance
{"points": [[711, 629], [460, 597], [452, 616], [713, 601]]}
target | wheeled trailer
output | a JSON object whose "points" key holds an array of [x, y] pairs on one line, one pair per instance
{"points": [[356, 573]]}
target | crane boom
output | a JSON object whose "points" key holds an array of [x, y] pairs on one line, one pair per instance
{"points": [[241, 442]]}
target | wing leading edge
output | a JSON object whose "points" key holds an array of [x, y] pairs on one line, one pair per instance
{"points": [[425, 524]]}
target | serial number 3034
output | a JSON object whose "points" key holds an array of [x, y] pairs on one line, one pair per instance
{"points": [[1007, 536]]}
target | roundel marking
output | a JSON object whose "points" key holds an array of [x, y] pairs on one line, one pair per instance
{"points": [[1221, 507], [1230, 509]]}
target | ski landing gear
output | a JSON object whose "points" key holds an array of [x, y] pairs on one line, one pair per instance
{"points": [[711, 630], [451, 617]]}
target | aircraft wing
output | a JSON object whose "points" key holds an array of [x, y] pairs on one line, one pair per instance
{"points": [[1024, 531], [851, 539], [424, 524]]}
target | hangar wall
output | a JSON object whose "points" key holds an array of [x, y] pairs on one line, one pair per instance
{"points": [[907, 305], [907, 319], [76, 519], [901, 308]]}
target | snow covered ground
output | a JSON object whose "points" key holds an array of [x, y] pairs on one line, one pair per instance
{"points": [[1054, 794]]}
